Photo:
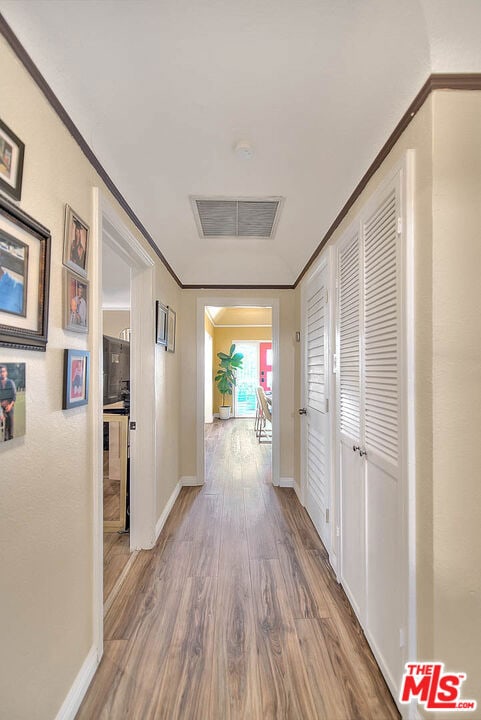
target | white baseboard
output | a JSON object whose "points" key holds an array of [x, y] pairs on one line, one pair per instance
{"points": [[166, 511], [79, 687], [286, 482], [297, 489], [189, 481]]}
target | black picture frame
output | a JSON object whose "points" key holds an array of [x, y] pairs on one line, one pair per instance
{"points": [[76, 378], [160, 323], [26, 330], [12, 153]]}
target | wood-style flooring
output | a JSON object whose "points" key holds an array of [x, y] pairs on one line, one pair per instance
{"points": [[235, 613], [116, 557]]}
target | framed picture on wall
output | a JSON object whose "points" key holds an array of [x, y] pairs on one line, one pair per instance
{"points": [[12, 400], [76, 378], [170, 330], [76, 242], [12, 152], [160, 324], [76, 303], [24, 279]]}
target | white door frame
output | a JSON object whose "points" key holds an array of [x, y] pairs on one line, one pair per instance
{"points": [[202, 303], [109, 228]]}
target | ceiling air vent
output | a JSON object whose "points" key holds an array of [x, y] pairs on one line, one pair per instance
{"points": [[255, 218]]}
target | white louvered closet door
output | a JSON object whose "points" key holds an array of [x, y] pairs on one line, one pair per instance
{"points": [[370, 424], [349, 419], [316, 426], [383, 427]]}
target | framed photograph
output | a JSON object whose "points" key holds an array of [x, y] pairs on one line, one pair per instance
{"points": [[76, 242], [76, 303], [160, 324], [24, 279], [12, 151], [12, 400], [76, 378], [170, 330]]}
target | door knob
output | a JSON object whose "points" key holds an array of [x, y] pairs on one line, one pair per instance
{"points": [[355, 447], [303, 411], [362, 452]]}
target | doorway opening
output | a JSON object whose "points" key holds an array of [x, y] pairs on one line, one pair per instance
{"points": [[252, 331], [130, 444], [115, 417]]}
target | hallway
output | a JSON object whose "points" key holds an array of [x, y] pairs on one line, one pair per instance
{"points": [[235, 613]]}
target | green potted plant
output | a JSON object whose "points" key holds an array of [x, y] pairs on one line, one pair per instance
{"points": [[225, 378]]}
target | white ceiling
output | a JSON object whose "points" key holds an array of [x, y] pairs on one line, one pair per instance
{"points": [[162, 92]]}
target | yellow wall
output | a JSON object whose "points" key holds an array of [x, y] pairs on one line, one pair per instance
{"points": [[46, 477], [223, 339]]}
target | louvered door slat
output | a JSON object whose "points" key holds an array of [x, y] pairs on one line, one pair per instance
{"points": [[381, 325], [316, 390], [349, 367]]}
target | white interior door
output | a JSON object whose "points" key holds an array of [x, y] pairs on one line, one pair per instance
{"points": [[370, 426], [383, 434], [316, 404], [349, 421]]}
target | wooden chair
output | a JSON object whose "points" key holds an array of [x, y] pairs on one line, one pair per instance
{"points": [[263, 417]]}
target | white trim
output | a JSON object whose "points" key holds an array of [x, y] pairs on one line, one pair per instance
{"points": [[79, 686], [244, 325], [297, 490], [116, 308], [286, 482], [106, 223], [95, 405], [273, 303], [143, 489], [167, 509], [189, 481], [410, 397]]}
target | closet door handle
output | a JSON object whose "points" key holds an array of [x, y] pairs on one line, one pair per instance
{"points": [[303, 411], [355, 448], [362, 452]]}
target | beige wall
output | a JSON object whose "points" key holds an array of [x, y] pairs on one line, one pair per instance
{"points": [[223, 339], [457, 384], [46, 483], [288, 323], [115, 321]]}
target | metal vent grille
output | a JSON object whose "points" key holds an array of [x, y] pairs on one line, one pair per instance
{"points": [[236, 218]]}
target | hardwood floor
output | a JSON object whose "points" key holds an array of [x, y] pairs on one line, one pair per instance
{"points": [[116, 557], [235, 614]]}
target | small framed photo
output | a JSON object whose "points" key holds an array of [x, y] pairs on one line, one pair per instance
{"points": [[76, 378], [24, 279], [76, 303], [76, 242], [170, 330], [160, 324], [12, 151], [12, 400]]}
